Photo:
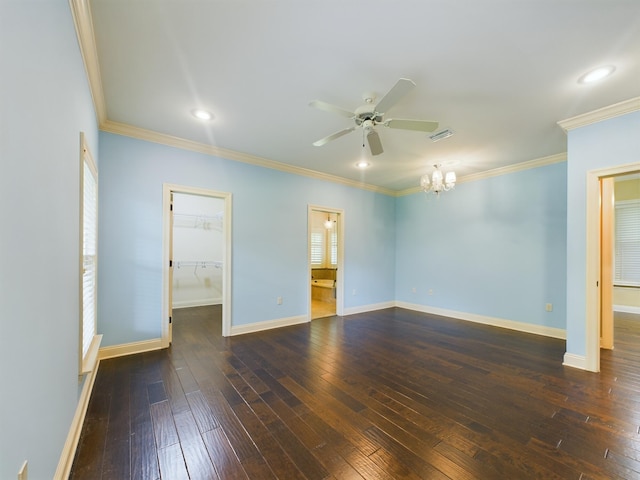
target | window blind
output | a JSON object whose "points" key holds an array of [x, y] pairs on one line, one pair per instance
{"points": [[89, 257], [627, 243], [317, 248], [334, 247]]}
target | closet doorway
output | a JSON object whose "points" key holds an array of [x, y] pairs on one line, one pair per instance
{"points": [[326, 273], [197, 252]]}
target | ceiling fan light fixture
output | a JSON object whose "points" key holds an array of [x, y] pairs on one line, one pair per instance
{"points": [[597, 74], [201, 114]]}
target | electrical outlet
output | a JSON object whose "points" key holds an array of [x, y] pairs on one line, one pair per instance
{"points": [[430, 291], [549, 307], [23, 472], [413, 290], [354, 292], [279, 300]]}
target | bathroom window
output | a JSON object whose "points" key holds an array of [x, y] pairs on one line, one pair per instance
{"points": [[627, 243], [317, 248], [324, 241], [334, 248]]}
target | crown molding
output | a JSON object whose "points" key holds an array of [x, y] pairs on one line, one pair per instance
{"points": [[161, 138], [81, 12], [516, 167], [605, 113]]}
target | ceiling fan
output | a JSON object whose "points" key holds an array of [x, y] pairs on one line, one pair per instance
{"points": [[371, 114]]}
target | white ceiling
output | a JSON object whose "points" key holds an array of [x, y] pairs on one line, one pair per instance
{"points": [[500, 73]]}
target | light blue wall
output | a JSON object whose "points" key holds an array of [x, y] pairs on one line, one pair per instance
{"points": [[494, 247], [269, 236], [604, 144], [44, 104]]}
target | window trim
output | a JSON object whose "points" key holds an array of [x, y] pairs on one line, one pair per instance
{"points": [[88, 360]]}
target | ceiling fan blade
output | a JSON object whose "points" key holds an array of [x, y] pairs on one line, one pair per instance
{"points": [[333, 136], [417, 125], [399, 90], [331, 108], [374, 143]]}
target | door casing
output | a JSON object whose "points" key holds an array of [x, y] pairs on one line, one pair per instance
{"points": [[167, 191], [340, 273]]}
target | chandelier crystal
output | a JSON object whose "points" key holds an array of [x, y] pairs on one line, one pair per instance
{"points": [[438, 182]]}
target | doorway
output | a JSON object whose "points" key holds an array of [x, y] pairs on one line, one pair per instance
{"points": [[197, 253], [325, 247], [595, 302], [620, 253]]}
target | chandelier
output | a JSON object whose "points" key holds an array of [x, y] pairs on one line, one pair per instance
{"points": [[438, 182]]}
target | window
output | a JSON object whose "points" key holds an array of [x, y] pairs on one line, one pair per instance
{"points": [[317, 247], [334, 247], [89, 341], [324, 241], [627, 243]]}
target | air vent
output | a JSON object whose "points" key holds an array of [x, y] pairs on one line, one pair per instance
{"points": [[446, 133]]}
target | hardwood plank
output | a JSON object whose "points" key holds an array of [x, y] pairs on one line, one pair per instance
{"points": [[203, 415], [164, 428], [197, 459], [144, 457], [172, 463], [222, 455]]}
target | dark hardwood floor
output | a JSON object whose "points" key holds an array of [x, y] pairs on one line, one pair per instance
{"points": [[384, 395]]}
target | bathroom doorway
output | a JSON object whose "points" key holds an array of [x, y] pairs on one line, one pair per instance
{"points": [[325, 246]]}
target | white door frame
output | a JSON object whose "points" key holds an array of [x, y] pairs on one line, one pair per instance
{"points": [[592, 332], [167, 190], [340, 275]]}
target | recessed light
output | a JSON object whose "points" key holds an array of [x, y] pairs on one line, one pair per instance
{"points": [[362, 164], [202, 114], [597, 74]]}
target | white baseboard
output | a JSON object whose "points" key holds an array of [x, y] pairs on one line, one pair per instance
{"points": [[626, 309], [73, 437], [368, 308], [203, 302], [130, 348], [575, 361], [268, 325], [495, 322]]}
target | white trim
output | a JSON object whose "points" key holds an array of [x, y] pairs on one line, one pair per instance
{"points": [[575, 361], [155, 137], [268, 324], [592, 274], [132, 348], [369, 308], [167, 189], [611, 111], [90, 361], [73, 437], [626, 309], [81, 12], [493, 321], [495, 172], [203, 302]]}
